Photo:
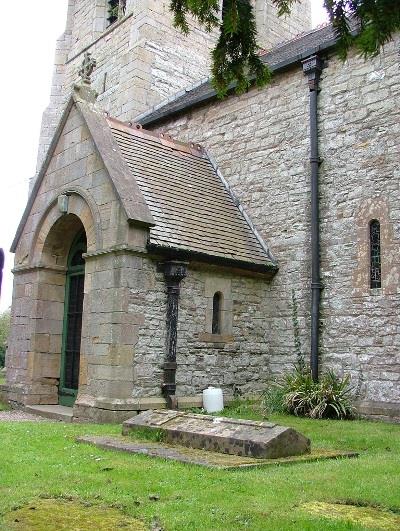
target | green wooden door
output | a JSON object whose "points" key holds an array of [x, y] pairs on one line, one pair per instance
{"points": [[72, 327]]}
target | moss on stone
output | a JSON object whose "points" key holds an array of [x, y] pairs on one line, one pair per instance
{"points": [[369, 517], [147, 434], [134, 443], [56, 514]]}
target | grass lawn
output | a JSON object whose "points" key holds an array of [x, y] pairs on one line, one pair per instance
{"points": [[43, 460]]}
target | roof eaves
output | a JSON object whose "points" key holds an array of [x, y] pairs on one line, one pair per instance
{"points": [[268, 268], [155, 114], [239, 206]]}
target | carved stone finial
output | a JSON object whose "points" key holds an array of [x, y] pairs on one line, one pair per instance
{"points": [[87, 67]]}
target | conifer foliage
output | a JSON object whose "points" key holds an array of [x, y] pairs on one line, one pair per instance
{"points": [[378, 20], [235, 56]]}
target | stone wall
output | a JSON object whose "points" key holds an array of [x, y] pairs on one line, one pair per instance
{"points": [[33, 357], [124, 335], [235, 360], [123, 346], [239, 359], [273, 30], [261, 143], [141, 59], [135, 59]]}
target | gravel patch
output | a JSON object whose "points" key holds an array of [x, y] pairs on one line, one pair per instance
{"points": [[16, 415]]}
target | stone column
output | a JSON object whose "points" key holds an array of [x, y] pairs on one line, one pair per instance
{"points": [[174, 273]]}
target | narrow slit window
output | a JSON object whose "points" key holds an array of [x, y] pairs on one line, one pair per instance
{"points": [[216, 315], [375, 254], [115, 10]]}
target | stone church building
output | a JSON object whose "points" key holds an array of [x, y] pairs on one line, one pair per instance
{"points": [[173, 241]]}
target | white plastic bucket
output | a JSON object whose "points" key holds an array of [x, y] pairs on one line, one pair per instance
{"points": [[213, 399]]}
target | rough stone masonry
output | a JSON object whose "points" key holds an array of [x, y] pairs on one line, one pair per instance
{"points": [[260, 144], [262, 440]]}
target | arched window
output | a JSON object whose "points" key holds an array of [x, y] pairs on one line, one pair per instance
{"points": [[375, 253], [216, 315]]}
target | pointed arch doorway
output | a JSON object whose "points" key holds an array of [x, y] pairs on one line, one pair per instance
{"points": [[72, 323]]}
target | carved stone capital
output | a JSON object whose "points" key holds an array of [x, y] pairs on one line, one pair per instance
{"points": [[174, 272]]}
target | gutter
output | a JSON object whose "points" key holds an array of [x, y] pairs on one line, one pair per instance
{"points": [[157, 114], [268, 269], [279, 59]]}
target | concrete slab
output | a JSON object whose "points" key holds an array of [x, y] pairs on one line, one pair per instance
{"points": [[56, 412], [262, 440], [203, 457]]}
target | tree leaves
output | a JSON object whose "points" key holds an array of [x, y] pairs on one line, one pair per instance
{"points": [[235, 56], [236, 62], [377, 21]]}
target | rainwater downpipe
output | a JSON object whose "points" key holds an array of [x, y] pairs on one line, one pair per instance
{"points": [[312, 68]]}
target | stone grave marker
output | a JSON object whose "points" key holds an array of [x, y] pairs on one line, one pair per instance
{"points": [[263, 440]]}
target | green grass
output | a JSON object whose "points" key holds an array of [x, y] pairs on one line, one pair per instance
{"points": [[3, 407], [43, 460]]}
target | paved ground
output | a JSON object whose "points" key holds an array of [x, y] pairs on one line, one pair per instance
{"points": [[16, 415]]}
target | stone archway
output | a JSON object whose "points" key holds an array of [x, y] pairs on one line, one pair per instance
{"points": [[44, 278], [50, 248], [48, 313]]}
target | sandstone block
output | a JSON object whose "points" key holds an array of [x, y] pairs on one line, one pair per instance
{"points": [[262, 440]]}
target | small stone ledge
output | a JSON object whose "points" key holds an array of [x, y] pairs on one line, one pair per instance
{"points": [[137, 404], [206, 337], [102, 410], [380, 411]]}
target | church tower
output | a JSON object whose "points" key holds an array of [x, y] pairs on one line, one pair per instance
{"points": [[141, 58]]}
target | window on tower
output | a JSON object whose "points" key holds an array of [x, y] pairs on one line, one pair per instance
{"points": [[375, 254], [115, 10]]}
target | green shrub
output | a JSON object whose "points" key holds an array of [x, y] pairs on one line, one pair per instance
{"points": [[272, 400], [330, 397], [298, 394]]}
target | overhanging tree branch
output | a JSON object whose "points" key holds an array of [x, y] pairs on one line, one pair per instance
{"points": [[235, 56]]}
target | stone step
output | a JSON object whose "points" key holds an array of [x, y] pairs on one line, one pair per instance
{"points": [[263, 440], [55, 412]]}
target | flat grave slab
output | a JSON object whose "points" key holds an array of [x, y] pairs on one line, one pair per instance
{"points": [[203, 457], [261, 440]]}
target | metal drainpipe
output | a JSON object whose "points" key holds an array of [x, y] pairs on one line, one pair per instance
{"points": [[312, 68], [174, 272]]}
